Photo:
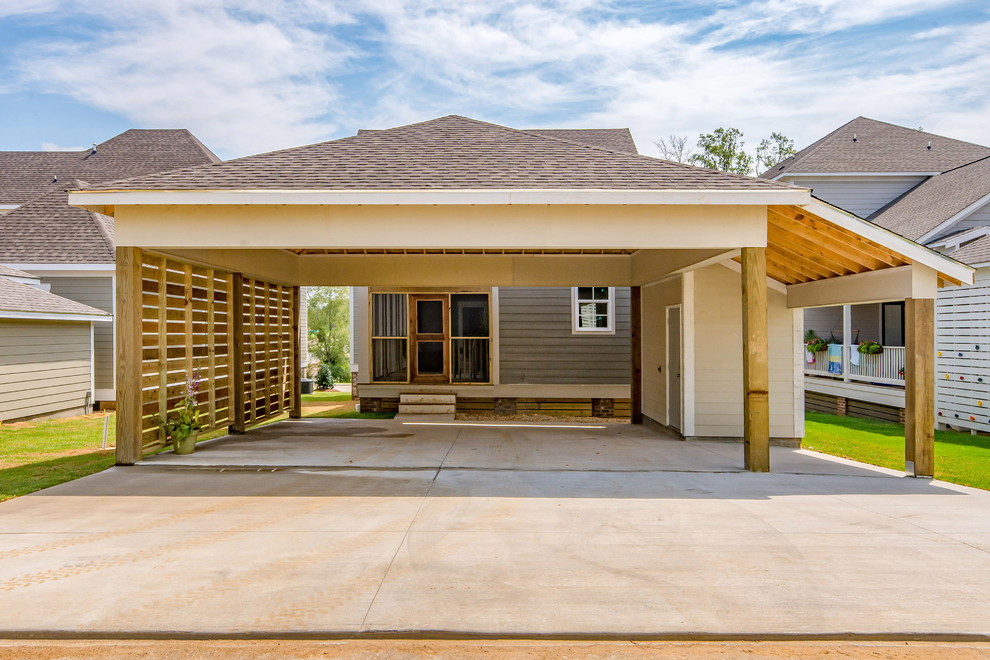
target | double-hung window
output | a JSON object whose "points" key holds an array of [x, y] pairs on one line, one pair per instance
{"points": [[593, 309]]}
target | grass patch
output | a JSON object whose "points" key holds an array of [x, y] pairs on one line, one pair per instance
{"points": [[36, 455], [960, 458], [325, 397], [350, 414]]}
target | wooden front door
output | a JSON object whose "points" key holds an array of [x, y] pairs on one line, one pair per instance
{"points": [[429, 336]]}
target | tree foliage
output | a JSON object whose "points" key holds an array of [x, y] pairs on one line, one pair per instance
{"points": [[675, 148], [329, 329], [773, 150], [722, 150]]}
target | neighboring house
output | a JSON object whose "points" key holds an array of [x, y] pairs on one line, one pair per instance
{"points": [[72, 250], [935, 191], [451, 223], [548, 350], [47, 349]]}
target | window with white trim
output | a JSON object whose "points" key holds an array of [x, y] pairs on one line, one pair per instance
{"points": [[593, 309]]}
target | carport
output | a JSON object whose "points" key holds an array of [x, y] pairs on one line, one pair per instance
{"points": [[209, 261]]}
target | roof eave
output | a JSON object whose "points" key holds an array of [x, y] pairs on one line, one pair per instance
{"points": [[913, 251], [97, 200]]}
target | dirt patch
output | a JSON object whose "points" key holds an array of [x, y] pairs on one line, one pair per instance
{"points": [[485, 417], [463, 650]]}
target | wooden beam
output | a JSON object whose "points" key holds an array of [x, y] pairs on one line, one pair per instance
{"points": [[129, 302], [756, 372], [235, 316], [853, 244], [919, 387], [835, 247], [636, 340], [295, 409], [162, 348]]}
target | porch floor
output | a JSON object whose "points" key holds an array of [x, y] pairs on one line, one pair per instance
{"points": [[318, 527]]}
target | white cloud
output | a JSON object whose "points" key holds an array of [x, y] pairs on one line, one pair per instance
{"points": [[244, 81]]}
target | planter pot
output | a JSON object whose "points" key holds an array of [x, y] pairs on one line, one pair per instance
{"points": [[187, 445]]}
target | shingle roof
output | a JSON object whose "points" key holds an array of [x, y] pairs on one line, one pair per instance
{"points": [[616, 139], [977, 252], [454, 153], [935, 200], [17, 297], [26, 175], [879, 147], [7, 271], [48, 230]]}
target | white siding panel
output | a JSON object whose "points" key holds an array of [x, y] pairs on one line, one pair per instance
{"points": [[978, 218], [862, 195], [44, 367], [962, 362], [718, 358], [96, 292]]}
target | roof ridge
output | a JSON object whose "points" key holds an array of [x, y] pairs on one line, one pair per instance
{"points": [[104, 233], [959, 167], [802, 154]]}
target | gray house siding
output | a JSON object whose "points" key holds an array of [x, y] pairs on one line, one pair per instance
{"points": [[44, 368], [536, 343], [862, 195], [96, 292]]}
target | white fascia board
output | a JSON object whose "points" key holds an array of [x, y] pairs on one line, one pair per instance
{"points": [[66, 270], [908, 248], [827, 174], [959, 238], [8, 207], [52, 316], [88, 199], [954, 219]]}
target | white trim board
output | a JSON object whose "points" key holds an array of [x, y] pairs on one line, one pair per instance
{"points": [[51, 316], [908, 248], [954, 219], [97, 198], [863, 174]]}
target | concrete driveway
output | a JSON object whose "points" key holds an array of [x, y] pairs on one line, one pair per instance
{"points": [[317, 527]]}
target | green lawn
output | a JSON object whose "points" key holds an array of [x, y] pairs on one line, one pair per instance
{"points": [[325, 397], [959, 457], [42, 454]]}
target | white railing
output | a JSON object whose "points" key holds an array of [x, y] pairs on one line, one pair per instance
{"points": [[883, 367]]}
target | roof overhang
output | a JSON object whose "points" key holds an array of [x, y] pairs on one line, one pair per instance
{"points": [[848, 174], [915, 253], [53, 316], [97, 200]]}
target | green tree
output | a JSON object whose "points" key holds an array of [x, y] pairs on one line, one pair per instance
{"points": [[773, 150], [329, 331], [723, 150]]}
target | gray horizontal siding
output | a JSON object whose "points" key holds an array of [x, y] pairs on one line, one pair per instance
{"points": [[44, 367], [96, 292], [536, 343], [862, 195]]}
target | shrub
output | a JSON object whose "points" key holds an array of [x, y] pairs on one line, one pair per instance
{"points": [[324, 377]]}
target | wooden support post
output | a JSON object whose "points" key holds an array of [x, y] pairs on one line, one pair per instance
{"points": [[919, 387], [756, 372], [129, 297], [295, 408], [235, 314], [636, 339]]}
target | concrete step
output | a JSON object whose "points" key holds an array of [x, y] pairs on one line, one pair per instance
{"points": [[426, 409], [432, 399]]}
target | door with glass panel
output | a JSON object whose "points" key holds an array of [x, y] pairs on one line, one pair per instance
{"points": [[429, 338]]}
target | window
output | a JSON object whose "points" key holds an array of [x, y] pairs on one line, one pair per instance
{"points": [[389, 343], [593, 309]]}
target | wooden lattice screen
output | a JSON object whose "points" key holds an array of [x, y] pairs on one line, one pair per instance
{"points": [[185, 329], [267, 346]]}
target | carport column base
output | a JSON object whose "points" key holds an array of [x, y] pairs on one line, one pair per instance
{"points": [[919, 387], [756, 371]]}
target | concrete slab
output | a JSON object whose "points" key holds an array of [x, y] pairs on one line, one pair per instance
{"points": [[362, 526]]}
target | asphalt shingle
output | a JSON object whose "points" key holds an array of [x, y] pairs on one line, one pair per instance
{"points": [[977, 252], [879, 147], [17, 297], [48, 230], [453, 153], [616, 139], [934, 201]]}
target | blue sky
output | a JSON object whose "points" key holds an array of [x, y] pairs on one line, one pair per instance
{"points": [[257, 75]]}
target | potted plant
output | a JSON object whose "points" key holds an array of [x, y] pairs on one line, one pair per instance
{"points": [[182, 424], [870, 348], [814, 344]]}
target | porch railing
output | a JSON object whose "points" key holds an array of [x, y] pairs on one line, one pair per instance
{"points": [[883, 367]]}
